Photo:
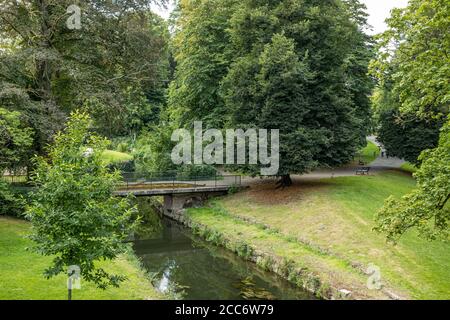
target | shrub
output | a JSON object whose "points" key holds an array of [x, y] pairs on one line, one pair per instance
{"points": [[11, 203], [196, 171], [265, 262], [126, 166], [153, 151], [123, 147], [243, 250]]}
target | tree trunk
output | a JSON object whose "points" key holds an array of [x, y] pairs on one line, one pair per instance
{"points": [[43, 72], [285, 181]]}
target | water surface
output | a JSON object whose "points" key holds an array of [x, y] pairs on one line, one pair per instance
{"points": [[185, 267]]}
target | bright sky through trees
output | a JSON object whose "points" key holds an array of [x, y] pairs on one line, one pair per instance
{"points": [[378, 10]]}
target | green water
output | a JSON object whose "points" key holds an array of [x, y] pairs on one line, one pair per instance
{"points": [[186, 267]]}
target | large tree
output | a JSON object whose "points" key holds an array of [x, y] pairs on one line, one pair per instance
{"points": [[405, 135], [202, 53], [311, 96], [112, 64], [413, 58], [427, 208], [298, 66]]}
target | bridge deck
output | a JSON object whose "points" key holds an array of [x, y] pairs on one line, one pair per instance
{"points": [[167, 191], [159, 185]]}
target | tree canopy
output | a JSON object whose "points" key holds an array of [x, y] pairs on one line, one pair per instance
{"points": [[15, 141], [115, 64], [405, 135], [427, 208], [413, 67], [75, 217], [297, 66], [413, 58]]}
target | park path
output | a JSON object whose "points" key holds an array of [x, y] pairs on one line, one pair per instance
{"points": [[380, 164], [385, 162]]}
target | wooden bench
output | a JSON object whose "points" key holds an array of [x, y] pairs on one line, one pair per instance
{"points": [[363, 171]]}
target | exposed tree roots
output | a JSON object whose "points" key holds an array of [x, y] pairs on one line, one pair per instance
{"points": [[284, 182]]}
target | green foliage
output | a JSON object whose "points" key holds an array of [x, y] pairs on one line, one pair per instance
{"points": [[201, 50], [287, 268], [74, 215], [243, 249], [116, 65], [123, 147], [296, 66], [123, 144], [153, 150], [409, 167], [279, 89], [234, 189], [413, 59], [196, 171], [11, 203], [15, 141], [406, 136], [288, 79], [215, 237], [412, 66], [125, 166], [426, 208], [266, 263]]}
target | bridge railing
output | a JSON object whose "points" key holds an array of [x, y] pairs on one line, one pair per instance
{"points": [[134, 181], [14, 179]]}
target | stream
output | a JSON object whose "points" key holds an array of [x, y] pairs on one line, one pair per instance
{"points": [[185, 267]]}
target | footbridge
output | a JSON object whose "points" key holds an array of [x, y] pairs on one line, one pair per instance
{"points": [[178, 192]]}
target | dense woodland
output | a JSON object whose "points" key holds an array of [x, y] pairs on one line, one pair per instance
{"points": [[298, 66]]}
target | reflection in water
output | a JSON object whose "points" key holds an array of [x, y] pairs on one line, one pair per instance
{"points": [[185, 267]]}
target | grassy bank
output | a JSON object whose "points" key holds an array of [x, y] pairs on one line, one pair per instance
{"points": [[326, 226], [369, 153], [409, 167], [21, 272], [301, 263]]}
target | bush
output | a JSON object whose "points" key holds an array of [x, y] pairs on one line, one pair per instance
{"points": [[11, 203], [122, 144], [126, 166], [153, 151], [123, 147], [76, 218]]}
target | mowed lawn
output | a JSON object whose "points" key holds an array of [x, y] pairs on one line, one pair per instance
{"points": [[111, 156], [369, 153], [338, 215], [21, 272]]}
